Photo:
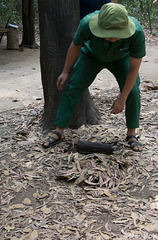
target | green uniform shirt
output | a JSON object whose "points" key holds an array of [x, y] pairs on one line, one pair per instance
{"points": [[105, 51]]}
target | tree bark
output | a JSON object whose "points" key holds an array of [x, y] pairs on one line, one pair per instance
{"points": [[58, 21], [28, 15]]}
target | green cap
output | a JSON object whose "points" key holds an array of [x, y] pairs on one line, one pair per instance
{"points": [[112, 21]]}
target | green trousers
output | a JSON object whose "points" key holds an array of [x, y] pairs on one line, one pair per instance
{"points": [[84, 73]]}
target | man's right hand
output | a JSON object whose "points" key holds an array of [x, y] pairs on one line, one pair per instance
{"points": [[61, 80], [71, 56]]}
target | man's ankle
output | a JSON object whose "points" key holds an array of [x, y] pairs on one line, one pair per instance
{"points": [[131, 131]]}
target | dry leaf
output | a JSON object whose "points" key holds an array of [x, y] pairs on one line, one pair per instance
{"points": [[154, 205], [8, 228], [15, 206], [46, 210], [31, 236], [27, 201], [80, 217], [151, 227], [135, 217], [104, 235], [104, 192]]}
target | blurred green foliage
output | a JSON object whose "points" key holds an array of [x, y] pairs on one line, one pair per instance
{"points": [[10, 8], [144, 10], [13, 8]]}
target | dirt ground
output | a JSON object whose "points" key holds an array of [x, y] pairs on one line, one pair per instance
{"points": [[59, 193]]}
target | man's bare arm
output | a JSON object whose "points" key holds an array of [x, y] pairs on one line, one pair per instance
{"points": [[71, 56], [119, 103]]}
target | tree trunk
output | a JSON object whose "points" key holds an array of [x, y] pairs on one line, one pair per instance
{"points": [[58, 21], [149, 16], [28, 15]]}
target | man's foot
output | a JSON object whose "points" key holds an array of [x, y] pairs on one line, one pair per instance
{"points": [[134, 144], [53, 140]]}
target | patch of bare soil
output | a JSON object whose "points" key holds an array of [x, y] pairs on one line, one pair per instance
{"points": [[59, 193]]}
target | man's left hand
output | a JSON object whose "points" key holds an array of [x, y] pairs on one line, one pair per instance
{"points": [[118, 106]]}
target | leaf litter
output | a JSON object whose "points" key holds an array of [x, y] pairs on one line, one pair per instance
{"points": [[59, 193]]}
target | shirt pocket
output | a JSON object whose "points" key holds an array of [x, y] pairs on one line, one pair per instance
{"points": [[123, 51]]}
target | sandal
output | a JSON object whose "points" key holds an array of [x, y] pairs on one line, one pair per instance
{"points": [[52, 141], [133, 143]]}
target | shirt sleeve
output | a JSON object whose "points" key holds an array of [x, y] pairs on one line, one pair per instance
{"points": [[83, 32], [137, 47]]}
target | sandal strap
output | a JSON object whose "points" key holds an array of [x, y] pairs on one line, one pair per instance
{"points": [[50, 138], [53, 138], [131, 136], [134, 143], [58, 134]]}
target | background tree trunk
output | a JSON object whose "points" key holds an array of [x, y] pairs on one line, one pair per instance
{"points": [[28, 16], [58, 21]]}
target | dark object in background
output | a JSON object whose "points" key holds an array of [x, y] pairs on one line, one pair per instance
{"points": [[91, 147], [89, 6]]}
